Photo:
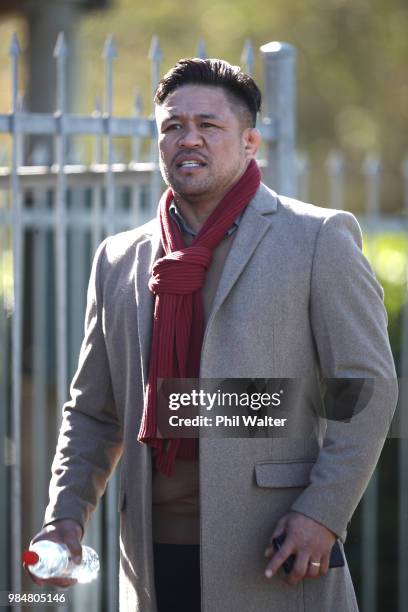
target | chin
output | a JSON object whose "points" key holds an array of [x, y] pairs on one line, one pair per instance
{"points": [[191, 194], [183, 188]]}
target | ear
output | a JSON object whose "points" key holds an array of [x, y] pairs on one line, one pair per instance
{"points": [[252, 140]]}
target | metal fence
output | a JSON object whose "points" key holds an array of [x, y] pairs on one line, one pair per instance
{"points": [[51, 220]]}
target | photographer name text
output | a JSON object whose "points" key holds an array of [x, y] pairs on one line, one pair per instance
{"points": [[226, 421]]}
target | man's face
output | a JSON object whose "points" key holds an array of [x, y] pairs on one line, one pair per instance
{"points": [[203, 142]]}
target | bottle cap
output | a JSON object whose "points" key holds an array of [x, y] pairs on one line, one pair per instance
{"points": [[30, 557]]}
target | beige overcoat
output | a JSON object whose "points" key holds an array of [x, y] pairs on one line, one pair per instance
{"points": [[296, 296]]}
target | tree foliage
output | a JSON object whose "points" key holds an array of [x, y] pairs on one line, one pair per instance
{"points": [[352, 55]]}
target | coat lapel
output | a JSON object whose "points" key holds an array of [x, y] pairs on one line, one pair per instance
{"points": [[146, 254], [252, 228]]}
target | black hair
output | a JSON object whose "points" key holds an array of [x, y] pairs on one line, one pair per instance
{"points": [[240, 87]]}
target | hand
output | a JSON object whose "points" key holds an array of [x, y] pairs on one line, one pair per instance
{"points": [[63, 531], [305, 538]]}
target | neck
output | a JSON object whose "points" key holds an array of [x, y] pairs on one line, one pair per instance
{"points": [[196, 212]]}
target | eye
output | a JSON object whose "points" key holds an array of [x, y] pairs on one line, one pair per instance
{"points": [[205, 124], [171, 127]]}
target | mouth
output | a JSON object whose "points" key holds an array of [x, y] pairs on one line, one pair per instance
{"points": [[190, 163]]}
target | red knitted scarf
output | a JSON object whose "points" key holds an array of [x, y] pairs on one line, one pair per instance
{"points": [[178, 325]]}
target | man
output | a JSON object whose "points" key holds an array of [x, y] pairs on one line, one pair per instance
{"points": [[230, 281]]}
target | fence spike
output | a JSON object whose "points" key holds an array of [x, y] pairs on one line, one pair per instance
{"points": [[109, 49], [15, 49], [248, 57], [15, 52], [60, 55], [201, 50], [61, 49], [155, 53], [109, 54]]}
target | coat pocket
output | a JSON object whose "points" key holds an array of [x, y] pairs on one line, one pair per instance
{"points": [[283, 474]]}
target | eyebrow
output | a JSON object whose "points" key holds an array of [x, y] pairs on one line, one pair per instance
{"points": [[200, 115]]}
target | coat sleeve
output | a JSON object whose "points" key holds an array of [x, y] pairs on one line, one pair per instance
{"points": [[90, 438], [349, 323]]}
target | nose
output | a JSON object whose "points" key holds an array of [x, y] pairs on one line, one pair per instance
{"points": [[190, 137]]}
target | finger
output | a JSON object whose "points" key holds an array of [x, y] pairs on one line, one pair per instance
{"points": [[279, 530], [325, 561], [278, 558], [34, 578], [313, 571], [300, 568], [271, 549]]}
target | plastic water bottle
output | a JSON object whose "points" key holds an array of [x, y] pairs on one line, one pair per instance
{"points": [[47, 559]]}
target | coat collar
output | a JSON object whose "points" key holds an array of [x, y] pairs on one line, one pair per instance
{"points": [[253, 226], [265, 201]]}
